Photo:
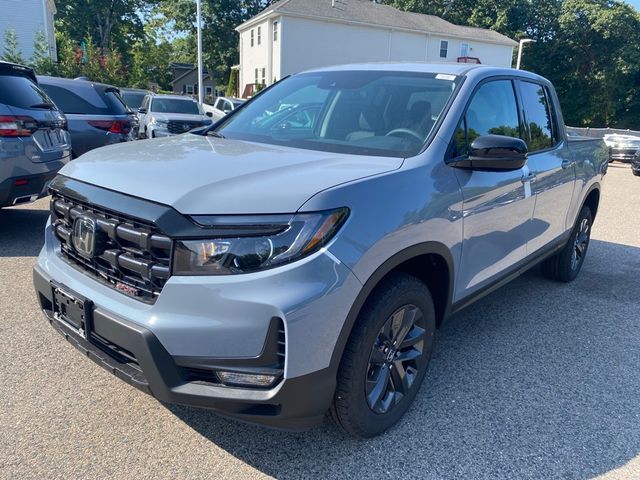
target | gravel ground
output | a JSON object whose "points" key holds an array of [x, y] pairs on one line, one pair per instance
{"points": [[538, 380]]}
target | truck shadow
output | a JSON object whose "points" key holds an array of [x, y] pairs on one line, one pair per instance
{"points": [[22, 229], [537, 380]]}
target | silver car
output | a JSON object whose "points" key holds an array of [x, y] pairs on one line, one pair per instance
{"points": [[297, 258]]}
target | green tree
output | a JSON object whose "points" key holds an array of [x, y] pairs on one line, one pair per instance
{"points": [[108, 23], [232, 84], [41, 60], [12, 52], [219, 19]]}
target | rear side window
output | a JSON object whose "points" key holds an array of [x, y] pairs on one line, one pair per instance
{"points": [[86, 101], [492, 111], [538, 116], [20, 92], [70, 102]]}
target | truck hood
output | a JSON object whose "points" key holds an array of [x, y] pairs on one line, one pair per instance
{"points": [[200, 175]]}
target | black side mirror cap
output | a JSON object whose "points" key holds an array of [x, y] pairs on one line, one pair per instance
{"points": [[142, 110], [209, 114], [494, 152]]}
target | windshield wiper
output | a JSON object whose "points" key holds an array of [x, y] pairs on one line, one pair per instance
{"points": [[48, 106], [213, 133]]}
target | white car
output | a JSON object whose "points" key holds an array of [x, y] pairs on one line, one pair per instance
{"points": [[165, 115], [222, 106]]}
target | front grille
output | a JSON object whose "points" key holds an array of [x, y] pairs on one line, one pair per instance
{"points": [[131, 256], [180, 126]]}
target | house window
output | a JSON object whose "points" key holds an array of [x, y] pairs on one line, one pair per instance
{"points": [[259, 35], [444, 46], [464, 49], [252, 38], [190, 89], [264, 76], [209, 91], [275, 31], [256, 76]]}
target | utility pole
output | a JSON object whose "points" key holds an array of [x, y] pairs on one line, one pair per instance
{"points": [[520, 48], [200, 76]]}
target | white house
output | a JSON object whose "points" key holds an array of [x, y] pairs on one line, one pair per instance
{"points": [[26, 18], [295, 35]]}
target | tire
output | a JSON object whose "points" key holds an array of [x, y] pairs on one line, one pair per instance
{"points": [[366, 403], [636, 173], [566, 265]]}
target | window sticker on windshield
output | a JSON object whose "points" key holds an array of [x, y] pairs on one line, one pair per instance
{"points": [[444, 76]]}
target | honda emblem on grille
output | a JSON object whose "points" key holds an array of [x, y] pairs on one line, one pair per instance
{"points": [[84, 236]]}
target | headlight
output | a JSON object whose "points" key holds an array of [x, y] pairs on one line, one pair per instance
{"points": [[160, 123], [289, 241]]}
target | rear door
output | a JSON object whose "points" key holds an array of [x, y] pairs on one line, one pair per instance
{"points": [[550, 162], [497, 206]]}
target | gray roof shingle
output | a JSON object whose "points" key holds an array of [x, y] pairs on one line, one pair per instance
{"points": [[366, 11]]}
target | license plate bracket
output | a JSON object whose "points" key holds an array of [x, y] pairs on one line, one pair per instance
{"points": [[72, 310]]}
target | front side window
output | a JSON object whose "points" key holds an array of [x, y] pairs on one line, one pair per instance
{"points": [[492, 111], [538, 116], [359, 112], [444, 47]]}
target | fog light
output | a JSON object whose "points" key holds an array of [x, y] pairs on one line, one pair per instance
{"points": [[246, 379]]}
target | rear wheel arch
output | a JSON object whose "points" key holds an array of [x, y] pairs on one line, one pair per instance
{"points": [[430, 262], [592, 200]]}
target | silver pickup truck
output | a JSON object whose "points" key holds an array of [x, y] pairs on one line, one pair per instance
{"points": [[297, 257]]}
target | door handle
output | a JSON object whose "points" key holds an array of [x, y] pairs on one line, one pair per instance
{"points": [[529, 177], [567, 163]]}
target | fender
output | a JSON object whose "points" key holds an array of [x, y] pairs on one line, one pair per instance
{"points": [[389, 265]]}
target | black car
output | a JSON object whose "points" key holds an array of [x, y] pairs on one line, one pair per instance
{"points": [[635, 165], [96, 113]]}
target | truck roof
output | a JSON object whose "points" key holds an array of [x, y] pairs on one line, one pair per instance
{"points": [[459, 69]]}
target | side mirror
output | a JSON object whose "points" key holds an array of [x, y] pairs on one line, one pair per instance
{"points": [[209, 114], [495, 152], [142, 110]]}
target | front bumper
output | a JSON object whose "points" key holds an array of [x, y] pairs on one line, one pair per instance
{"points": [[293, 404], [208, 322]]}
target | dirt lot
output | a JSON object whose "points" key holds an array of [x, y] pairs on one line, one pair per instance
{"points": [[538, 380]]}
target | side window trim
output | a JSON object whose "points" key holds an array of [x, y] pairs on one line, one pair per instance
{"points": [[463, 118]]}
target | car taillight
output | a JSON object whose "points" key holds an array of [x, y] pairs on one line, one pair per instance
{"points": [[17, 126], [112, 126]]}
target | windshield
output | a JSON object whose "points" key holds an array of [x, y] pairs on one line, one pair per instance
{"points": [[174, 105], [133, 99], [359, 112]]}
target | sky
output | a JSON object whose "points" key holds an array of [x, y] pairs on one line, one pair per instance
{"points": [[635, 3]]}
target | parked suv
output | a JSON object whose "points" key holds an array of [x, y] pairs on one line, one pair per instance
{"points": [[34, 143], [276, 271], [164, 115], [96, 113], [222, 107]]}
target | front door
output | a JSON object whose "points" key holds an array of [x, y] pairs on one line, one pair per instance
{"points": [[497, 206]]}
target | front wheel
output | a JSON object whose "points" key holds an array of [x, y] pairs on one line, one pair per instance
{"points": [[386, 357], [636, 173], [565, 265]]}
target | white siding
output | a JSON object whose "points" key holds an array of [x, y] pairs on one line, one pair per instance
{"points": [[26, 17], [307, 43]]}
